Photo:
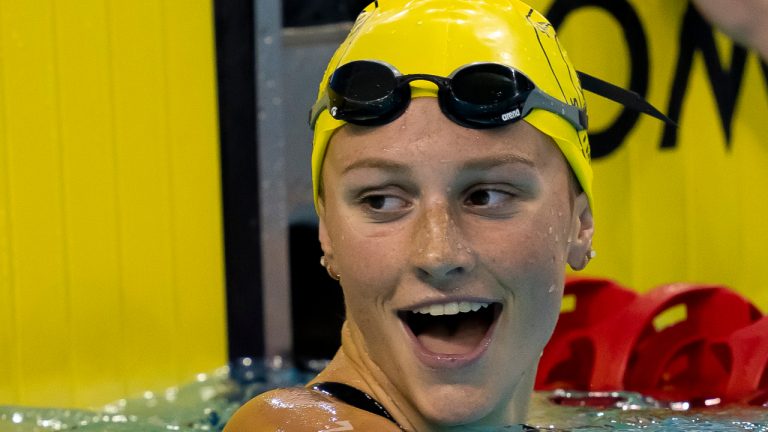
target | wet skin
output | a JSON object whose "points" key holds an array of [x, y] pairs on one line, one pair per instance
{"points": [[746, 21], [423, 211]]}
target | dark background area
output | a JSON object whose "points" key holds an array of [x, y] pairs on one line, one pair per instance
{"points": [[236, 71], [317, 302], [300, 13], [317, 305]]}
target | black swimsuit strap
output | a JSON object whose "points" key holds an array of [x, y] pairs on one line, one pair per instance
{"points": [[362, 400], [357, 398]]}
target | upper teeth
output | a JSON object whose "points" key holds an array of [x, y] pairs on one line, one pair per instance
{"points": [[452, 308]]}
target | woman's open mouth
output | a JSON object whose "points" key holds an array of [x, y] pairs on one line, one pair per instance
{"points": [[453, 332]]}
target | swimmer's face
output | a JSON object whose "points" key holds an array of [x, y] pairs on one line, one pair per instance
{"points": [[425, 221]]}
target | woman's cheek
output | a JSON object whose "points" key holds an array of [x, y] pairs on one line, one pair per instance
{"points": [[532, 271]]}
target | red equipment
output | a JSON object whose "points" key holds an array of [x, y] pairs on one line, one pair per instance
{"points": [[613, 340]]}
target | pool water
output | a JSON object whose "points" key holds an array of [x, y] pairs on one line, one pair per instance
{"points": [[206, 403]]}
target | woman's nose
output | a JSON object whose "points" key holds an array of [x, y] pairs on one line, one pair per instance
{"points": [[439, 252]]}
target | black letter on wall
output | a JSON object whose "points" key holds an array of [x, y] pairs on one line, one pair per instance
{"points": [[695, 34], [607, 141]]}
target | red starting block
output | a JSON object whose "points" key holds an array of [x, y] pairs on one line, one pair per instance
{"points": [[716, 345]]}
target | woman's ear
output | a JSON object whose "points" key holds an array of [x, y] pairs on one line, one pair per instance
{"points": [[582, 229], [328, 258], [325, 240]]}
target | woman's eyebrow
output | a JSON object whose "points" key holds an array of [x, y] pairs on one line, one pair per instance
{"points": [[377, 163], [477, 164], [481, 164]]}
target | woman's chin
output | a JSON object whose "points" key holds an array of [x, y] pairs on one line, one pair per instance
{"points": [[456, 405]]}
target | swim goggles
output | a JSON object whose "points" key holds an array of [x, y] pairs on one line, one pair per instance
{"points": [[477, 95]]}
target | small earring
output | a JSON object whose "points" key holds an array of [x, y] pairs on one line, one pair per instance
{"points": [[332, 273], [591, 254]]}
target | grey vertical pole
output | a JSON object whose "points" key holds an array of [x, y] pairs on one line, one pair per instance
{"points": [[272, 182]]}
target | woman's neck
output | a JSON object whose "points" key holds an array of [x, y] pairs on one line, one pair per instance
{"points": [[352, 366]]}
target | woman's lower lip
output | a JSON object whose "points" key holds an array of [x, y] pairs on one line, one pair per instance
{"points": [[450, 361]]}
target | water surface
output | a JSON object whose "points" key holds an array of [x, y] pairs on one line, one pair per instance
{"points": [[206, 403]]}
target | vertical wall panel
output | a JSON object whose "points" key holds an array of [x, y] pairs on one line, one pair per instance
{"points": [[752, 188], [194, 177], [35, 201], [89, 185], [8, 342], [714, 220], [111, 273], [665, 229], [143, 172]]}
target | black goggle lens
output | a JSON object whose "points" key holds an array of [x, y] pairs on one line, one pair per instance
{"points": [[363, 81], [486, 95], [366, 93], [488, 84]]}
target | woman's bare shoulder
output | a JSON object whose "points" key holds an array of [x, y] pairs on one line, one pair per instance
{"points": [[302, 410]]}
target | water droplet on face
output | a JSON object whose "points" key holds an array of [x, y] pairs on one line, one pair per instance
{"points": [[549, 230]]}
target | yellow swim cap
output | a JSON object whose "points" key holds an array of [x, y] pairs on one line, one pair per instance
{"points": [[439, 36]]}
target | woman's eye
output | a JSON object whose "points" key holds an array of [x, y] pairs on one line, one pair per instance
{"points": [[488, 198], [383, 203], [491, 201]]}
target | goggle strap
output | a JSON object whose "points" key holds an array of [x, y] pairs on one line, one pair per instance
{"points": [[573, 114], [624, 97], [589, 83], [317, 108]]}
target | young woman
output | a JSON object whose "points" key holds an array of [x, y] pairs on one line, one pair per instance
{"points": [[453, 185]]}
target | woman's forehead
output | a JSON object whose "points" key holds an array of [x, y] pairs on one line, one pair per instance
{"points": [[423, 135]]}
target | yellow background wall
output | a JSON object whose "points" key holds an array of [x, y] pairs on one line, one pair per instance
{"points": [[111, 268], [697, 212]]}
